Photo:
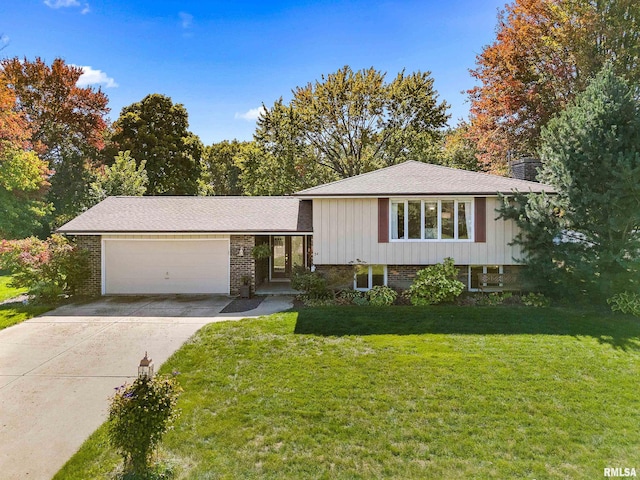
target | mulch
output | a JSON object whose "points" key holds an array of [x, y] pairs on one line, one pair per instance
{"points": [[242, 305]]}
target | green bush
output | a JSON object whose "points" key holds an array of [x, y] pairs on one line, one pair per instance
{"points": [[494, 299], [380, 296], [139, 416], [312, 284], [535, 300], [361, 301], [625, 302], [436, 284], [339, 278], [47, 268], [347, 296]]}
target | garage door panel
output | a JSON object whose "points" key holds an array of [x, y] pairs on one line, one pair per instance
{"points": [[166, 266]]}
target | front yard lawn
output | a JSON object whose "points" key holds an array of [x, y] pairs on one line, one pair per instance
{"points": [[15, 313], [402, 392], [7, 292], [10, 314]]}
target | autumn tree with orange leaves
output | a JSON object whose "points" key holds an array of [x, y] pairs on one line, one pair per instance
{"points": [[66, 123], [545, 52], [23, 175]]}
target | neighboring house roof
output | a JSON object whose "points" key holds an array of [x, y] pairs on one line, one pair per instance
{"points": [[193, 214], [418, 178]]}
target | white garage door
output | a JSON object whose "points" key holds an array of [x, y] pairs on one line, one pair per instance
{"points": [[166, 266]]}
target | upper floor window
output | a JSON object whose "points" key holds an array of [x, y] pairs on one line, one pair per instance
{"points": [[432, 219]]}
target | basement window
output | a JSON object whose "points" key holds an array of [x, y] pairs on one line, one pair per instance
{"points": [[369, 276]]}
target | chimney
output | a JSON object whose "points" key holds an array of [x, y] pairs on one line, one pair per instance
{"points": [[525, 168]]}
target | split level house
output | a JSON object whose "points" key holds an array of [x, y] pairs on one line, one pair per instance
{"points": [[380, 227]]}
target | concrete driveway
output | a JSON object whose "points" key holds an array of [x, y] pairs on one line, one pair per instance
{"points": [[57, 371]]}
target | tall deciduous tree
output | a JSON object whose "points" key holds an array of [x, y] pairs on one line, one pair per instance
{"points": [[266, 173], [23, 180], [121, 178], [155, 130], [221, 168], [588, 235], [353, 122], [458, 151], [66, 122], [23, 175], [544, 54]]}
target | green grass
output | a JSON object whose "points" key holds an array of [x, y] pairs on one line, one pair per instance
{"points": [[15, 313], [7, 292], [402, 392], [12, 314]]}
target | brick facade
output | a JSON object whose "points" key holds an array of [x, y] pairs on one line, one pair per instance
{"points": [[526, 168], [244, 265], [239, 266], [92, 287], [400, 277]]}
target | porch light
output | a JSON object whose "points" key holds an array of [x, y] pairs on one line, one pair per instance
{"points": [[241, 252], [145, 369]]}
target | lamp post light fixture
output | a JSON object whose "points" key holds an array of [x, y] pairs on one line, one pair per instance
{"points": [[145, 369]]}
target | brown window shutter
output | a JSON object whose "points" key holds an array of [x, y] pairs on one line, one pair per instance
{"points": [[480, 219], [383, 220]]}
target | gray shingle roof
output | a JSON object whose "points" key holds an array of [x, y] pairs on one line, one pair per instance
{"points": [[194, 214], [418, 178]]}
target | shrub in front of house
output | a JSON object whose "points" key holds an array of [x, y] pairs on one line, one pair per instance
{"points": [[339, 278], [313, 284], [538, 300], [625, 302], [381, 296], [436, 284], [48, 269], [347, 296], [139, 415], [496, 298]]}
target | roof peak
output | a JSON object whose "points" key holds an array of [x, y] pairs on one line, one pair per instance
{"points": [[416, 177]]}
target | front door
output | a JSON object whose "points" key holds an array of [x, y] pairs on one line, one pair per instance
{"points": [[288, 252]]}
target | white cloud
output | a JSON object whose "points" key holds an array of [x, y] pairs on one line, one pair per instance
{"points": [[252, 114], [61, 3], [4, 40], [91, 76], [67, 3], [186, 19]]}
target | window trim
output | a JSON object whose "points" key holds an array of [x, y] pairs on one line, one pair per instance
{"points": [[439, 200], [369, 277]]}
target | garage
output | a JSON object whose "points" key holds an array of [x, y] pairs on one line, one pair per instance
{"points": [[171, 266]]}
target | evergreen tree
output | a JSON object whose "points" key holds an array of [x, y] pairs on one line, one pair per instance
{"points": [[588, 235]]}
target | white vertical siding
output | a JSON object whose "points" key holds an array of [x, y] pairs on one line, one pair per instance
{"points": [[346, 230]]}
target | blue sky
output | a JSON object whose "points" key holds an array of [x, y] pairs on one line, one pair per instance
{"points": [[224, 59]]}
